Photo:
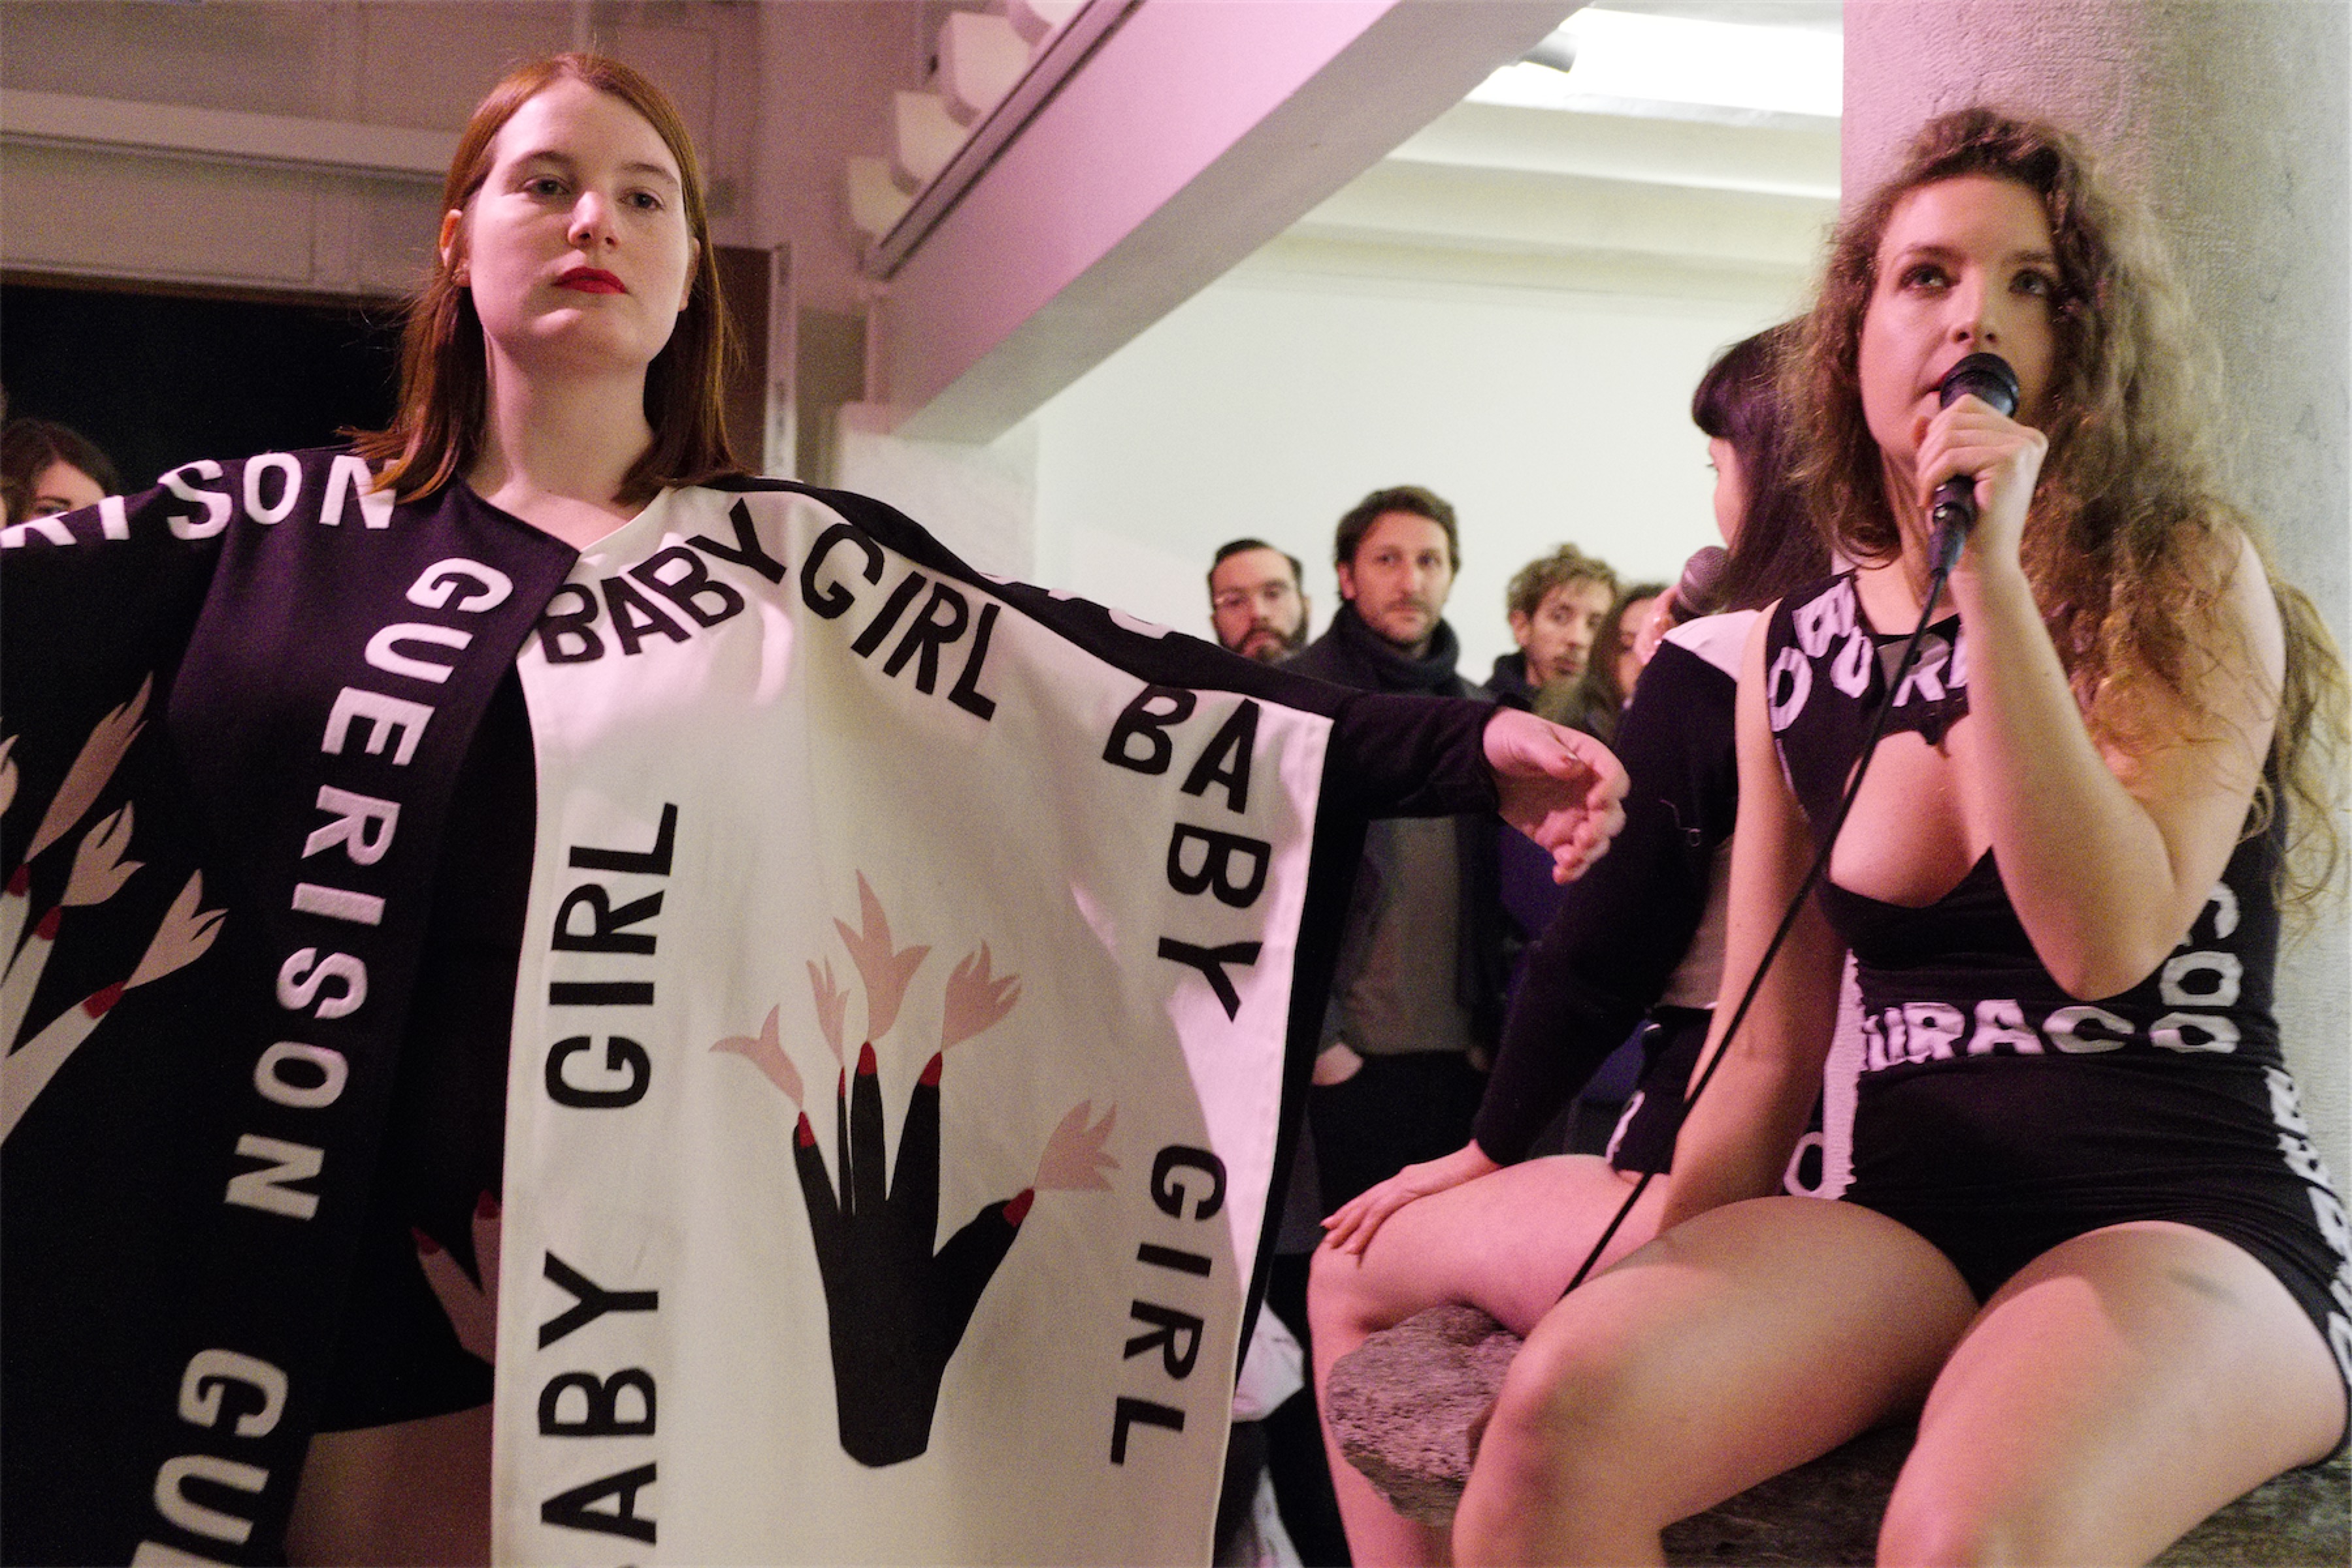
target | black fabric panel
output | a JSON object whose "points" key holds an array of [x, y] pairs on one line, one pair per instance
{"points": [[1626, 923]]}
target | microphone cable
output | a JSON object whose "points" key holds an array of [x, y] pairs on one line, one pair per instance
{"points": [[1944, 551]]}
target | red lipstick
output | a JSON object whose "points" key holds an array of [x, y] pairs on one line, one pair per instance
{"points": [[591, 280]]}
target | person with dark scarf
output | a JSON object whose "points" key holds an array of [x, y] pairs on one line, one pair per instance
{"points": [[1416, 1000]]}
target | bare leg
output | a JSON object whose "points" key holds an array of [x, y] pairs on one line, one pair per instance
{"points": [[411, 1492], [1506, 1243], [1747, 1341], [2113, 1393]]}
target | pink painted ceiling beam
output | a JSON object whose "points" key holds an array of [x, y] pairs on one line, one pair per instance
{"points": [[1196, 131]]}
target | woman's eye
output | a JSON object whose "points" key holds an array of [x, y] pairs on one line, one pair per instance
{"points": [[1925, 274], [644, 201], [543, 185], [2038, 284]]}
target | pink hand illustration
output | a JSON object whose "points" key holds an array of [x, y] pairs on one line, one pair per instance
{"points": [[974, 1001], [471, 1302], [885, 969]]}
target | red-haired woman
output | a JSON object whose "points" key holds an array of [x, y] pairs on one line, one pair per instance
{"points": [[265, 1199]]}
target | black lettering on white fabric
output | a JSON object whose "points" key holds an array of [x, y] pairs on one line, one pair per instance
{"points": [[831, 601], [1211, 961], [575, 1510], [568, 635], [636, 617], [600, 1399], [1155, 710], [1226, 758], [1220, 853], [590, 1300], [967, 694], [747, 549], [689, 585], [1132, 1412]]}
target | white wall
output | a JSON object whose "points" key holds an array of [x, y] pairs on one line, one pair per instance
{"points": [[1272, 401]]}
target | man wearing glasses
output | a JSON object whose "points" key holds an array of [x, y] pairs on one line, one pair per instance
{"points": [[1255, 602]]}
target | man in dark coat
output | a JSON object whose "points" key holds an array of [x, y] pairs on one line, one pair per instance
{"points": [[1416, 1000]]}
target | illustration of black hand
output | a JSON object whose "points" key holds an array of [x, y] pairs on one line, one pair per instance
{"points": [[896, 1309]]}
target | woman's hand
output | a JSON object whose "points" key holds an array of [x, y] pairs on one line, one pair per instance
{"points": [[1560, 788], [2004, 458], [1352, 1228]]}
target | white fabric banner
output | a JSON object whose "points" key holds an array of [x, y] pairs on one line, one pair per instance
{"points": [[898, 1054]]}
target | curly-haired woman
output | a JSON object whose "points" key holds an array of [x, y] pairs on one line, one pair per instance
{"points": [[2087, 1240]]}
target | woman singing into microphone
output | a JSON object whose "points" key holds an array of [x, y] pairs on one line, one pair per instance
{"points": [[2088, 1240]]}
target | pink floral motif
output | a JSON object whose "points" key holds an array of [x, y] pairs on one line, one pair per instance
{"points": [[975, 1000], [99, 869], [182, 937], [765, 1051], [1076, 1155], [831, 1003], [887, 971], [95, 763]]}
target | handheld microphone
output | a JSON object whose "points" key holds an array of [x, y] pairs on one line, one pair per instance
{"points": [[1694, 595], [1987, 377]]}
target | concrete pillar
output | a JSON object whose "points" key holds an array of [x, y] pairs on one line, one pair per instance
{"points": [[2233, 120]]}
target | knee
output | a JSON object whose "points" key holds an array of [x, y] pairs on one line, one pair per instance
{"points": [[1932, 1526], [1344, 1296], [1565, 1406]]}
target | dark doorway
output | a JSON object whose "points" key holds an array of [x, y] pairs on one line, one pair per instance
{"points": [[158, 378]]}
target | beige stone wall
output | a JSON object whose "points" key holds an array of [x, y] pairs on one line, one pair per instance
{"points": [[2233, 120]]}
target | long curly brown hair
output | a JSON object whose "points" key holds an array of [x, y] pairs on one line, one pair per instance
{"points": [[2130, 543]]}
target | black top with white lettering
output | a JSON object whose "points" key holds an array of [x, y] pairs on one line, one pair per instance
{"points": [[1957, 980]]}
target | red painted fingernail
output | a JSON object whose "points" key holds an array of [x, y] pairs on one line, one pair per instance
{"points": [[930, 1079], [99, 1003], [1017, 1209], [487, 1206], [425, 1243], [804, 1135], [20, 879], [47, 930], [865, 1061]]}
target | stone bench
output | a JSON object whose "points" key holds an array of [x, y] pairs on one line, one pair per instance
{"points": [[1404, 1402]]}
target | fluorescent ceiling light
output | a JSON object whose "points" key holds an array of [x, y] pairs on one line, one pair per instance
{"points": [[1628, 63]]}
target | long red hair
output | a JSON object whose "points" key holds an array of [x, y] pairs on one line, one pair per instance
{"points": [[444, 374]]}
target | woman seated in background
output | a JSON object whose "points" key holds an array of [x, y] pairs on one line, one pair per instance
{"points": [[2087, 1239], [1595, 701], [1640, 935], [46, 469]]}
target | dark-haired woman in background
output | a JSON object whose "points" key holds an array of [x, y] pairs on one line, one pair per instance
{"points": [[46, 467], [2088, 1237], [1641, 936]]}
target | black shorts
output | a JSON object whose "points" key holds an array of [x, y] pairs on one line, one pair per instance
{"points": [[1995, 1166]]}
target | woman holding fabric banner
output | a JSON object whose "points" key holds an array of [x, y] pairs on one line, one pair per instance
{"points": [[432, 864]]}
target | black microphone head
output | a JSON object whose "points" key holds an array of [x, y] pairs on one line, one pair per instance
{"points": [[1985, 377], [1702, 578]]}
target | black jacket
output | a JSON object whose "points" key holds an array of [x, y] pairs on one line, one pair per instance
{"points": [[1351, 654]]}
